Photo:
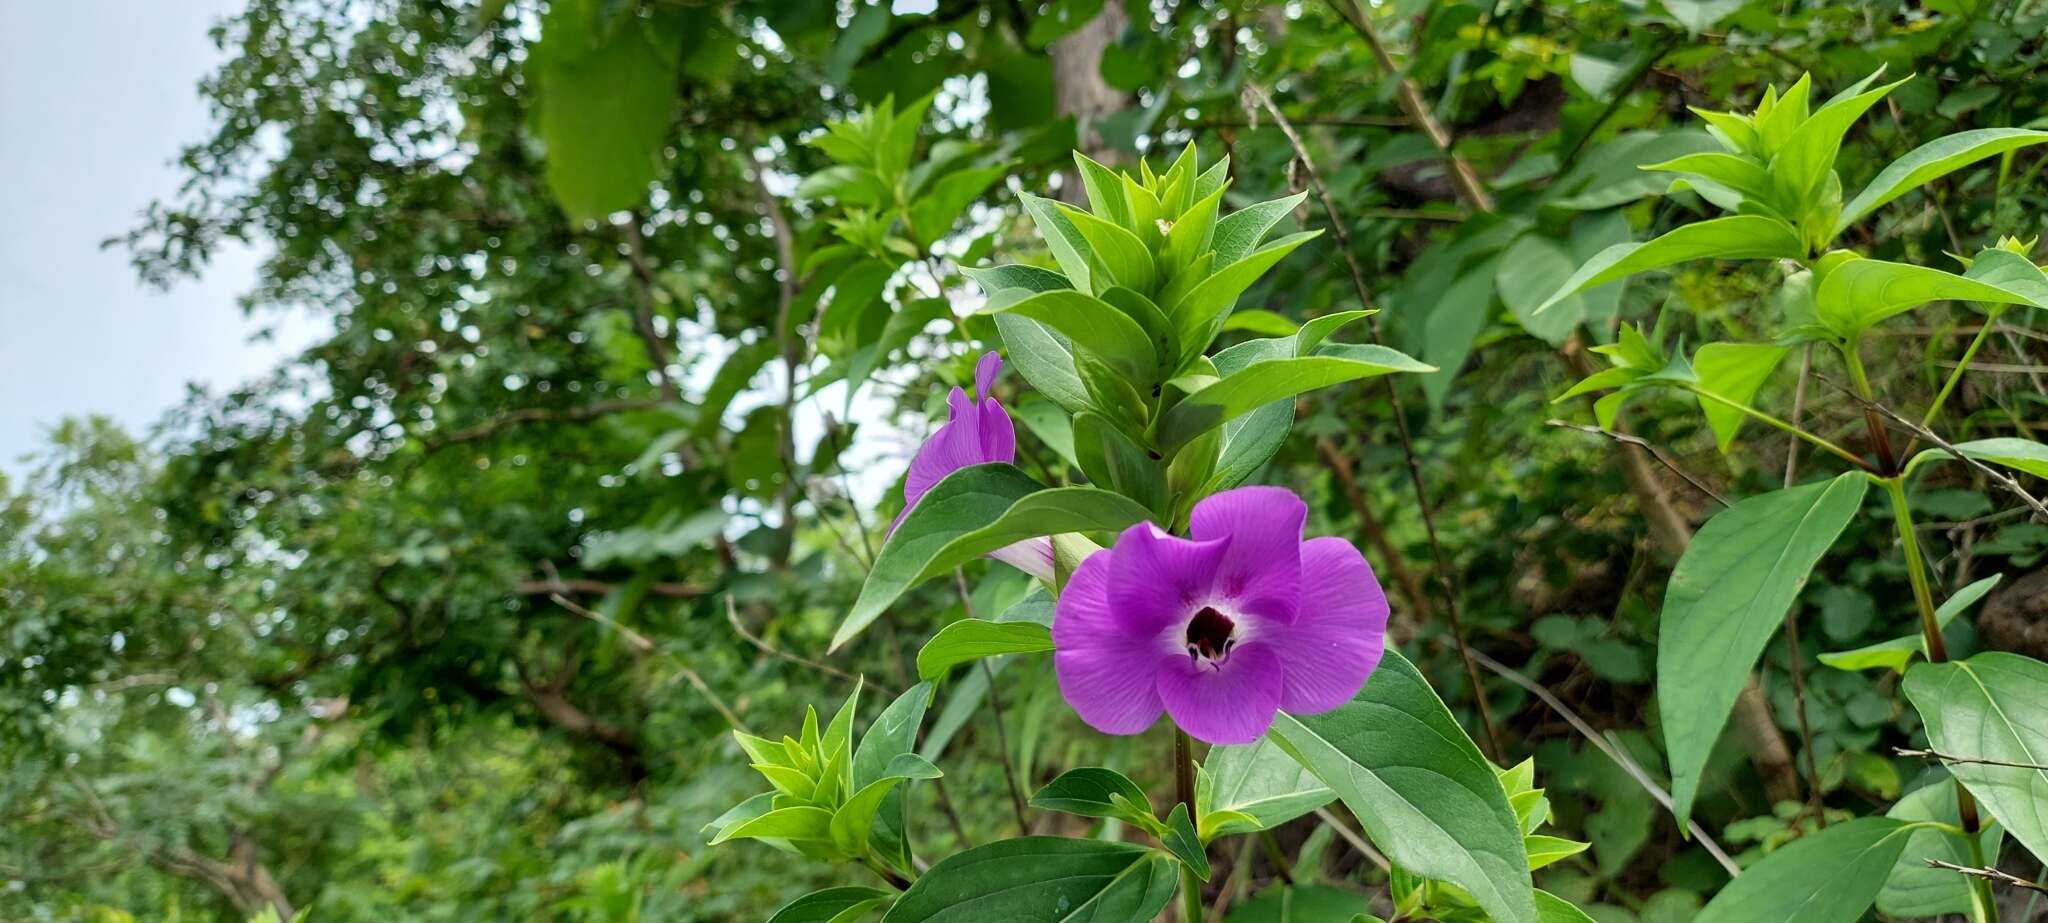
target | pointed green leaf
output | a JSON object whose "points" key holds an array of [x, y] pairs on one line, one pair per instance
{"points": [[1860, 293], [1043, 879], [1239, 233], [1259, 786], [2005, 451], [1931, 161], [803, 822], [1199, 314], [1124, 258], [1733, 371], [1185, 844], [1730, 238], [1269, 380], [1809, 155], [1993, 706], [1546, 850], [1829, 876], [972, 639], [1727, 596], [1735, 171], [831, 905], [1896, 653], [1093, 327], [1069, 249], [1092, 791], [1915, 890], [1419, 785]]}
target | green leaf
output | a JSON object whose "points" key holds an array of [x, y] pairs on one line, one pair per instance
{"points": [[1828, 876], [1734, 371], [2005, 451], [854, 821], [602, 106], [1069, 249], [1545, 850], [1859, 293], [1260, 321], [2012, 272], [933, 214], [1043, 879], [1124, 258], [1931, 161], [1111, 459], [1809, 155], [1269, 380], [1735, 171], [979, 509], [892, 736], [831, 905], [1185, 844], [1093, 327], [802, 822], [1914, 889], [1729, 593], [1092, 791], [1304, 903], [1199, 314], [1255, 787], [1993, 706], [1419, 785], [1239, 233], [1553, 909], [1534, 267], [972, 639], [1733, 237], [1896, 653]]}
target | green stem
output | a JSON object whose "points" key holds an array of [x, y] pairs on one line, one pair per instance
{"points": [[1847, 455], [1878, 438], [1184, 792], [1985, 910], [1955, 376]]}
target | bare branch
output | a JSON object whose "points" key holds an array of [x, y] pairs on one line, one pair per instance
{"points": [[1949, 758], [1645, 445], [732, 614], [1992, 875]]}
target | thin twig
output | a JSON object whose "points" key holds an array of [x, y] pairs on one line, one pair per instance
{"points": [[724, 711], [1998, 477], [1793, 648], [1620, 757], [1949, 758], [1990, 874], [1463, 177], [995, 701], [643, 306], [732, 615], [1338, 228], [1647, 446], [1348, 835]]}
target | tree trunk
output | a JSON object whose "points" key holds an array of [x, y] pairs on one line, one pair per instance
{"points": [[1080, 92]]}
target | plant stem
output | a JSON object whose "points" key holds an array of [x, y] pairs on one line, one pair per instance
{"points": [[1985, 909], [1845, 454], [1879, 440], [1955, 376], [1184, 792]]}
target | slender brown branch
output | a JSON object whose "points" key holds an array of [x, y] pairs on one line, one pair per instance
{"points": [[1463, 178], [1620, 757], [1255, 93], [790, 345], [1950, 758], [1996, 476], [732, 615], [1992, 875], [1375, 533], [643, 306], [587, 587], [1645, 445]]}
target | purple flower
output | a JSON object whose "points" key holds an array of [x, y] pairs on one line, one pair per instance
{"points": [[1222, 629], [976, 432]]}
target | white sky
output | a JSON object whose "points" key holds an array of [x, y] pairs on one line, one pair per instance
{"points": [[96, 99]]}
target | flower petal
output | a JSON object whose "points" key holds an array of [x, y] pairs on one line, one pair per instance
{"points": [[1032, 556], [1336, 641], [985, 371], [1230, 704], [1262, 571], [1106, 673], [1157, 580], [998, 435]]}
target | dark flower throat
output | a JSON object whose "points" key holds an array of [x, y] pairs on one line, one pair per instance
{"points": [[1209, 635]]}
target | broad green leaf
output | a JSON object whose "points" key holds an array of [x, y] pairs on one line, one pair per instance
{"points": [[1199, 314], [1259, 786], [1735, 171], [1032, 279], [1896, 653], [1185, 844], [1111, 459], [932, 541], [2004, 451], [1727, 596], [1119, 253], [1104, 187], [1260, 321], [1094, 327], [1531, 269], [972, 639], [1860, 293], [1239, 233], [892, 736], [2012, 272], [855, 819], [1269, 380], [1069, 249], [1045, 359], [1092, 791], [1043, 879], [1828, 876], [933, 214], [1553, 909], [963, 502], [1730, 238], [1931, 161], [1734, 371], [1419, 785], [1915, 890], [802, 822], [602, 108], [1809, 155], [1993, 706], [1545, 850], [831, 905], [1250, 440], [1050, 424]]}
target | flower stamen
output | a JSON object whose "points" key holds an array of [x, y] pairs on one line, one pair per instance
{"points": [[1209, 636]]}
